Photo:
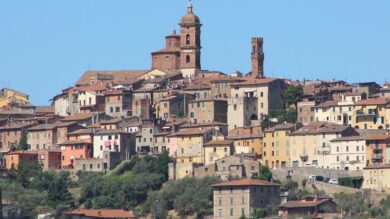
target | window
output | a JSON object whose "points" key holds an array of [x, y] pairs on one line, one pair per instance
{"points": [[231, 201], [347, 158], [234, 107], [337, 158], [117, 109], [231, 212], [220, 201], [187, 39], [188, 59], [347, 148]]}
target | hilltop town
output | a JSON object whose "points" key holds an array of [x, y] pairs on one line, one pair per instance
{"points": [[245, 140]]}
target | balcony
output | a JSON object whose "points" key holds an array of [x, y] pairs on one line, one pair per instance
{"points": [[377, 157], [369, 113], [324, 150], [377, 149], [304, 157]]}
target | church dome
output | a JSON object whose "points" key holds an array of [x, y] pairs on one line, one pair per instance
{"points": [[190, 17]]}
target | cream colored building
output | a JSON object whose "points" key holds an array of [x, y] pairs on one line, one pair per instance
{"points": [[340, 112], [216, 149], [311, 143], [376, 177], [346, 153]]}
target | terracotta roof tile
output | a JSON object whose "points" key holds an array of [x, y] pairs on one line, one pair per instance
{"points": [[218, 142], [376, 101], [115, 76]]}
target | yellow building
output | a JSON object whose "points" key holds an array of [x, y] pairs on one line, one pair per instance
{"points": [[276, 145], [9, 96], [371, 114], [216, 149], [247, 140], [190, 144]]}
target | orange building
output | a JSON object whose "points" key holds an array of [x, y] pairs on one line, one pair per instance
{"points": [[13, 159], [78, 146], [378, 150]]}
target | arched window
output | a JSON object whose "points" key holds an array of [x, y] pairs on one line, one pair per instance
{"points": [[187, 39], [188, 59]]}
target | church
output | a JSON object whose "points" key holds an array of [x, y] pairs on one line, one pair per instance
{"points": [[183, 52]]}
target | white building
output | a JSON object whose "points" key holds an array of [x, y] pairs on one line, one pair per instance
{"points": [[113, 140]]}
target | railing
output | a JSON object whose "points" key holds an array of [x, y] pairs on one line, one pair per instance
{"points": [[377, 156], [369, 113], [324, 150]]}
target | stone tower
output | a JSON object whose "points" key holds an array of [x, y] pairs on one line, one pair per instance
{"points": [[257, 57], [190, 43]]}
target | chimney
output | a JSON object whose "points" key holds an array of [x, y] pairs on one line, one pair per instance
{"points": [[257, 57]]}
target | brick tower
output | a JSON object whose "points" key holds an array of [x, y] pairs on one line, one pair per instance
{"points": [[190, 43], [257, 57]]}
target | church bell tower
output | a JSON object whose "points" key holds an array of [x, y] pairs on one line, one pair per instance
{"points": [[190, 43]]}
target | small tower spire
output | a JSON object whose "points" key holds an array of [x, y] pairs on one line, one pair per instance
{"points": [[189, 7]]}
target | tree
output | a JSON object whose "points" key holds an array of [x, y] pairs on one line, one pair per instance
{"points": [[293, 95], [291, 185], [23, 142], [265, 173]]}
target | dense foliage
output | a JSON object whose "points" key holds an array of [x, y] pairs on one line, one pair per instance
{"points": [[293, 95], [126, 186], [188, 196]]}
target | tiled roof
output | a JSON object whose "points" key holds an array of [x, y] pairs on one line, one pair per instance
{"points": [[42, 127], [245, 132], [190, 131], [245, 182], [378, 137], [255, 81], [121, 75], [320, 127], [376, 101], [110, 131], [102, 213], [17, 126], [82, 132], [218, 142], [327, 104], [75, 142], [303, 204], [287, 126], [77, 117], [94, 87], [111, 121]]}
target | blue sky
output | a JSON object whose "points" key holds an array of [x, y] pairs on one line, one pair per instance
{"points": [[45, 45]]}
